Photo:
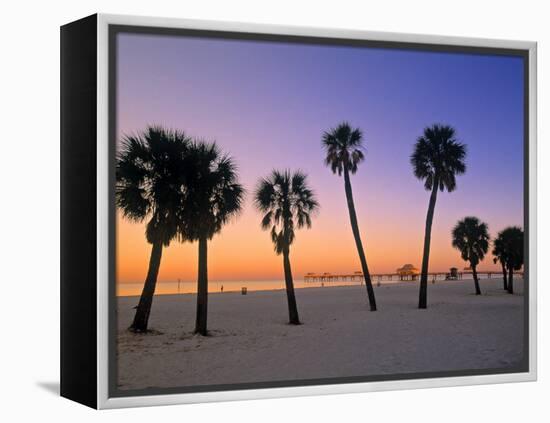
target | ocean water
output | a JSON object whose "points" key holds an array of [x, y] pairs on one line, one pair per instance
{"points": [[190, 287], [187, 287]]}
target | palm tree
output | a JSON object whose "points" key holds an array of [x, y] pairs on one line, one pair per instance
{"points": [[149, 177], [288, 203], [214, 196], [471, 238], [512, 242], [437, 159], [344, 152], [499, 254]]}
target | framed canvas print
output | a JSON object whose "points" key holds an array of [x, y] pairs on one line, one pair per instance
{"points": [[253, 211]]}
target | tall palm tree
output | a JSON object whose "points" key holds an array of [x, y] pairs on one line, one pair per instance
{"points": [[149, 176], [288, 203], [214, 196], [437, 158], [471, 238], [344, 151], [499, 254], [512, 241]]}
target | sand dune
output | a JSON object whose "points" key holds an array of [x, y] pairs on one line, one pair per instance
{"points": [[251, 341]]}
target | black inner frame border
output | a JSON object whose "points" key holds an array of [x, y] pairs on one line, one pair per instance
{"points": [[114, 30]]}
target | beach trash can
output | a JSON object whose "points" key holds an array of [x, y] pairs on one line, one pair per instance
{"points": [[243, 290]]}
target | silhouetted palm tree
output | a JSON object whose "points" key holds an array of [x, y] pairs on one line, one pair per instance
{"points": [[437, 159], [512, 243], [213, 197], [344, 152], [149, 176], [500, 257], [471, 238], [288, 203]]}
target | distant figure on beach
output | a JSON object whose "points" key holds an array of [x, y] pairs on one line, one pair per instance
{"points": [[221, 289]]}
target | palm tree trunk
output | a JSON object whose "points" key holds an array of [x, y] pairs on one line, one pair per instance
{"points": [[476, 280], [358, 243], [202, 288], [141, 319], [293, 318], [510, 279], [423, 296], [504, 278]]}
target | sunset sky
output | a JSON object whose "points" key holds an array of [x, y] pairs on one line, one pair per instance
{"points": [[268, 104]]}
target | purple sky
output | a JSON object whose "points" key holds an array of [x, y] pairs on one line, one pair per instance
{"points": [[268, 104]]}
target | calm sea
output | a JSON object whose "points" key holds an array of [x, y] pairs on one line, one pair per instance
{"points": [[163, 288]]}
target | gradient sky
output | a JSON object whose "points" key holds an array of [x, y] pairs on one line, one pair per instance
{"points": [[267, 104]]}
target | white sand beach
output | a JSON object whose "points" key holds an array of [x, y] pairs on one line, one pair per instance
{"points": [[340, 337]]}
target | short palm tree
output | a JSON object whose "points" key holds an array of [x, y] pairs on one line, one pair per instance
{"points": [[344, 151], [213, 197], [288, 204], [471, 238], [149, 177], [512, 242], [499, 254], [437, 158]]}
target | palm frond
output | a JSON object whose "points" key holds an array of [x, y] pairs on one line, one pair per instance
{"points": [[214, 195], [471, 237], [287, 202], [509, 247], [437, 155], [343, 148], [150, 174]]}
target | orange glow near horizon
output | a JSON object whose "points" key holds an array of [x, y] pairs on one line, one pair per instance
{"points": [[242, 251]]}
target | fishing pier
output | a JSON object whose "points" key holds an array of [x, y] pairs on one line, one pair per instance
{"points": [[400, 276]]}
